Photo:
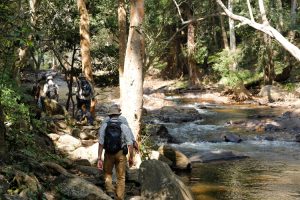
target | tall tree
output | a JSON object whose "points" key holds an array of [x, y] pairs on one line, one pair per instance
{"points": [[232, 39], [223, 30], [122, 42], [269, 73], [191, 34], [85, 42], [132, 100]]}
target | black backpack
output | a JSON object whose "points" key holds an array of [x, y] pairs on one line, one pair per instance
{"points": [[52, 91], [86, 88], [113, 137]]}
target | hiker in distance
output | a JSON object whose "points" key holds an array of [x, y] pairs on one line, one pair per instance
{"points": [[50, 89], [115, 138], [84, 95]]}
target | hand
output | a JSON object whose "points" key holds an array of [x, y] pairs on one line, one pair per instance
{"points": [[100, 165], [130, 161]]}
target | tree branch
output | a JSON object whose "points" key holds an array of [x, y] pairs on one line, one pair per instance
{"points": [[267, 29]]}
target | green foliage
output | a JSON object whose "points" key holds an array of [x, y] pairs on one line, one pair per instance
{"points": [[222, 64]]}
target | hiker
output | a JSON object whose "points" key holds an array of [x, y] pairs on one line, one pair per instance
{"points": [[38, 95], [123, 120], [50, 89], [115, 138], [84, 95]]}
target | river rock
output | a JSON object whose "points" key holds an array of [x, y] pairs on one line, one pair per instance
{"points": [[272, 93], [297, 138], [54, 108], [159, 182], [216, 156], [232, 138], [179, 160], [78, 188], [155, 155], [160, 133]]}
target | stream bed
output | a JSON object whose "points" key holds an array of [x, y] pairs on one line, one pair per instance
{"points": [[271, 172]]}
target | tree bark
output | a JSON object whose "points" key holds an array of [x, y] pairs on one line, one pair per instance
{"points": [[122, 44], [192, 67], [224, 34], [2, 132], [232, 39], [132, 101], [250, 10], [292, 33], [269, 72], [85, 40], [295, 51]]}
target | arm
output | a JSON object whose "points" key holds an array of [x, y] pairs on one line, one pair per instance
{"points": [[100, 162], [100, 148], [130, 161]]}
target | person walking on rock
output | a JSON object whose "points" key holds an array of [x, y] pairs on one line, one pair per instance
{"points": [[84, 95], [51, 89], [115, 138]]}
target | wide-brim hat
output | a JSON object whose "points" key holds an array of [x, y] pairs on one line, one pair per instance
{"points": [[50, 78], [114, 110]]}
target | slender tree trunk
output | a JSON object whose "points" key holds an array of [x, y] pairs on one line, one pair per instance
{"points": [[2, 132], [122, 44], [224, 34], [280, 17], [192, 67], [132, 101], [232, 40], [292, 33], [269, 72], [85, 40], [250, 10]]}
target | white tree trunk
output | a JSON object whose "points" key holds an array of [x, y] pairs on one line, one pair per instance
{"points": [[132, 101], [122, 44]]}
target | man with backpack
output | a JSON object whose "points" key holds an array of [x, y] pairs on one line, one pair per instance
{"points": [[84, 95], [50, 89], [116, 139]]}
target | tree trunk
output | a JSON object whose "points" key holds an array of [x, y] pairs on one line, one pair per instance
{"points": [[122, 44], [224, 34], [2, 132], [269, 72], [280, 15], [292, 33], [192, 67], [132, 101], [85, 40], [250, 10], [232, 40]]}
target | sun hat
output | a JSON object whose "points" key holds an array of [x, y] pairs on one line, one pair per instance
{"points": [[49, 77], [114, 110]]}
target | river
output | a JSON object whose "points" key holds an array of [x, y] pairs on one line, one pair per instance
{"points": [[271, 172]]}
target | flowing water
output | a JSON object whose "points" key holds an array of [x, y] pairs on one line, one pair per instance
{"points": [[271, 172]]}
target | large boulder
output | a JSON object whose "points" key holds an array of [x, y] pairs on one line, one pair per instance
{"points": [[78, 188], [159, 182], [272, 93], [179, 160], [212, 156]]}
